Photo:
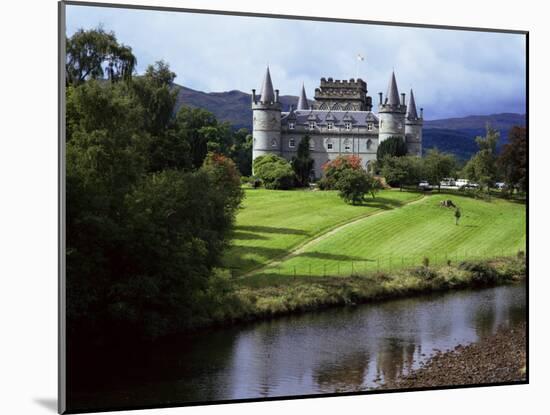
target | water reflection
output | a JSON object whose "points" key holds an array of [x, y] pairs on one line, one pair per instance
{"points": [[339, 350]]}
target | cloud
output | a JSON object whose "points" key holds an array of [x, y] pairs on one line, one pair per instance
{"points": [[453, 73]]}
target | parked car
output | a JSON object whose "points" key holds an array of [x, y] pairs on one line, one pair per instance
{"points": [[448, 181], [424, 185], [500, 185]]}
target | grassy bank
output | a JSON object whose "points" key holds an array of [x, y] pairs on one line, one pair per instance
{"points": [[401, 238], [249, 302], [272, 223]]}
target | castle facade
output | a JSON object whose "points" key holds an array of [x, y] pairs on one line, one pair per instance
{"points": [[340, 121]]}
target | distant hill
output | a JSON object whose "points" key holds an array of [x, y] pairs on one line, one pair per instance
{"points": [[457, 135], [453, 135]]}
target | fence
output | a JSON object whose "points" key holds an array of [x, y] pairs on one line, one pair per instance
{"points": [[386, 262]]}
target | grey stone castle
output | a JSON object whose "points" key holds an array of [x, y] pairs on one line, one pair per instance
{"points": [[339, 122]]}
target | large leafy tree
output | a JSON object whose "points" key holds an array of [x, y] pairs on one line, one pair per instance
{"points": [[482, 167], [274, 171], [333, 169], [96, 54], [401, 171], [438, 165], [512, 161], [354, 185], [392, 147], [302, 163]]}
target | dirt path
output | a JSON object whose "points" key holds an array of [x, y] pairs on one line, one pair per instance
{"points": [[307, 244]]}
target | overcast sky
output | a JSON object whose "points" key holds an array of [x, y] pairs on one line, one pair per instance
{"points": [[453, 73]]}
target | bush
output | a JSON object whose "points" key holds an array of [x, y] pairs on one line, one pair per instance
{"points": [[481, 272], [274, 171], [333, 169], [354, 185]]}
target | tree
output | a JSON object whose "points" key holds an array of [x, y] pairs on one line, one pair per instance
{"points": [[438, 165], [354, 185], [143, 242], [274, 171], [241, 151], [198, 127], [512, 161], [482, 167], [400, 171], [334, 168], [393, 147], [302, 164], [96, 54]]}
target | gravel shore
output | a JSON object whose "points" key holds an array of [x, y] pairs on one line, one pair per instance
{"points": [[498, 358]]}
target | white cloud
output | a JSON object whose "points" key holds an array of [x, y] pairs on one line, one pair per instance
{"points": [[453, 73]]}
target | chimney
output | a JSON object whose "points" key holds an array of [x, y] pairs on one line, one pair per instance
{"points": [[254, 96], [276, 95], [403, 99], [380, 95], [422, 113]]}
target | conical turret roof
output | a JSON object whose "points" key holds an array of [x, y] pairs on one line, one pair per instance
{"points": [[392, 94], [303, 103], [412, 114], [267, 94]]}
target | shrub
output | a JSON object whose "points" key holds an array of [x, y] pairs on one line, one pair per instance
{"points": [[481, 272], [354, 185], [274, 171], [426, 261], [333, 169]]}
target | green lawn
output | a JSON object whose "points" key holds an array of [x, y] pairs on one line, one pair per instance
{"points": [[271, 223], [394, 239]]}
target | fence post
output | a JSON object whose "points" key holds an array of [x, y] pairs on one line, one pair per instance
{"points": [[294, 271], [324, 270], [310, 270], [378, 264], [338, 269], [352, 268]]}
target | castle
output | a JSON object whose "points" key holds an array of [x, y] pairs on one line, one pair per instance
{"points": [[339, 122]]}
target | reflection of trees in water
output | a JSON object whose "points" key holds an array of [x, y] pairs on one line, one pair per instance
{"points": [[346, 374], [395, 358], [484, 317]]}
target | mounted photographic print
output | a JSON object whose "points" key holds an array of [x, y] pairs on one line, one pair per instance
{"points": [[259, 207]]}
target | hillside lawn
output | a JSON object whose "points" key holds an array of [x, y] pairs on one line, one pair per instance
{"points": [[272, 223], [394, 236]]}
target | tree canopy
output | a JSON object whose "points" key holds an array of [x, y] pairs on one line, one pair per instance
{"points": [[392, 147]]}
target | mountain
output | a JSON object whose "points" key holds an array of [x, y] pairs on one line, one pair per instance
{"points": [[457, 135], [232, 106], [453, 135]]}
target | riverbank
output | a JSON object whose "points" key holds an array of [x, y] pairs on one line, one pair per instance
{"points": [[295, 295], [500, 358]]}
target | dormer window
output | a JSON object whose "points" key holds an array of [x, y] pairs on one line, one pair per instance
{"points": [[292, 143], [312, 125], [291, 126], [369, 126], [347, 125], [330, 125]]}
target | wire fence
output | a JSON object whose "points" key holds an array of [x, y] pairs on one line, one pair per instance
{"points": [[385, 263]]}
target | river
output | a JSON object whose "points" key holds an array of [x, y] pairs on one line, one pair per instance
{"points": [[336, 350]]}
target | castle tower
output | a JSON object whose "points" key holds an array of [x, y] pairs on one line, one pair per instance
{"points": [[303, 103], [413, 128], [266, 124], [391, 112]]}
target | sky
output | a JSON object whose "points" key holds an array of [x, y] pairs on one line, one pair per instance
{"points": [[453, 73]]}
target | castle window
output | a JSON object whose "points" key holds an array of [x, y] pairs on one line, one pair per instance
{"points": [[348, 126], [369, 144], [312, 125], [347, 146], [369, 126], [291, 126], [400, 125], [330, 125], [329, 146], [292, 143], [273, 143], [311, 145]]}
